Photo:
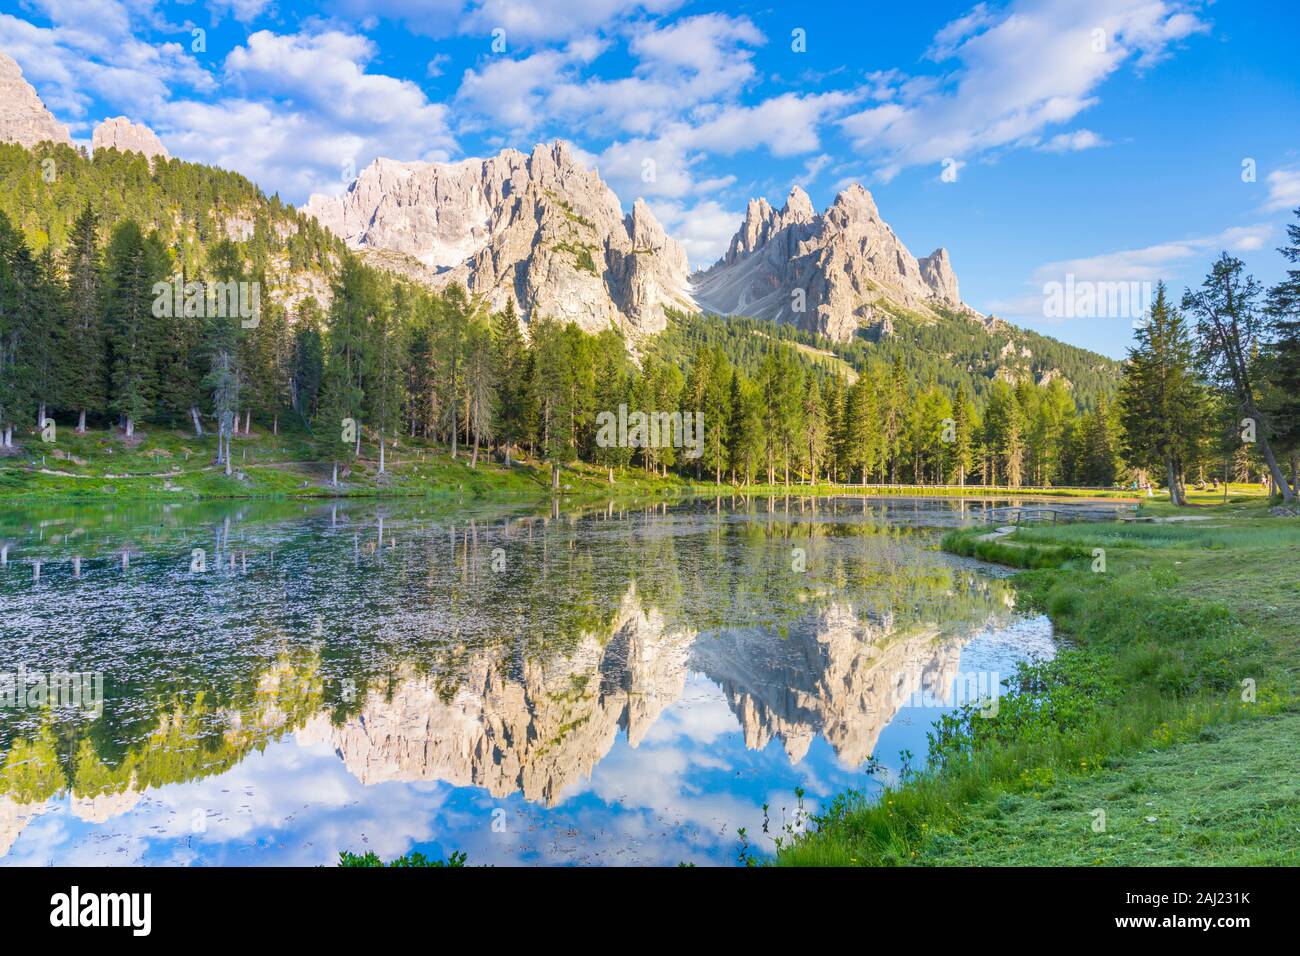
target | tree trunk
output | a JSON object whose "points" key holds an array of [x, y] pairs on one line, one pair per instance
{"points": [[1175, 492], [555, 476], [194, 415], [81, 422], [130, 426], [1288, 496], [473, 458], [334, 480], [275, 424], [40, 414], [248, 421], [381, 453]]}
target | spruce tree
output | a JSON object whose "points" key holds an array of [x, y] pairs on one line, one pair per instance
{"points": [[133, 264], [83, 340], [1162, 407]]}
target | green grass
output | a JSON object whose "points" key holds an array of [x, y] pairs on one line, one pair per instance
{"points": [[168, 464], [1222, 798], [1163, 649]]}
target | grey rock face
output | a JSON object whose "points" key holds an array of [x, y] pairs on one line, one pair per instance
{"points": [[541, 229], [827, 272], [121, 134], [23, 117]]}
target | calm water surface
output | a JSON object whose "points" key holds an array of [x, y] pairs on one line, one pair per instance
{"points": [[600, 686]]}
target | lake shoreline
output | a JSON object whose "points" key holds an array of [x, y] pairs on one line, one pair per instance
{"points": [[101, 465], [1167, 655]]}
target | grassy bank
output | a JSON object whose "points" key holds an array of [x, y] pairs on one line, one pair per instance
{"points": [[1164, 732], [172, 464], [167, 464]]}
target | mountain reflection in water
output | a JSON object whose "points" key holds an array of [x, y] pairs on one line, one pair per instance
{"points": [[606, 685]]}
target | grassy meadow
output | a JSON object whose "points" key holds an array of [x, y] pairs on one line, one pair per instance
{"points": [[1165, 732]]}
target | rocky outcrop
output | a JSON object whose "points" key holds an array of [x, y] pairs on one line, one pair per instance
{"points": [[121, 134], [829, 273], [23, 117], [540, 229]]}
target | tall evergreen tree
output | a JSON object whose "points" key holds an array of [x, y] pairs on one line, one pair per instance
{"points": [[1230, 326], [1162, 406], [134, 263], [1284, 355]]}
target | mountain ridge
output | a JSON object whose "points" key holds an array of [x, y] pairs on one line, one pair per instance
{"points": [[827, 272], [538, 228]]}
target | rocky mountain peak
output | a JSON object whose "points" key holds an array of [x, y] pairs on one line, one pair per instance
{"points": [[855, 203], [937, 272], [126, 137], [541, 229], [798, 207], [829, 273], [23, 117]]}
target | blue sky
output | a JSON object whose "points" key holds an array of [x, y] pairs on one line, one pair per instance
{"points": [[1103, 140]]}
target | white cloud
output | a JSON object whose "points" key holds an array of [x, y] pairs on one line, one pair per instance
{"points": [[811, 170], [1176, 260], [89, 50], [1283, 190], [704, 229], [1074, 142], [245, 11], [786, 125], [525, 22], [302, 109], [1037, 64]]}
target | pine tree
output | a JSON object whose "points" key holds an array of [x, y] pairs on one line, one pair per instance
{"points": [[134, 263], [1162, 406], [717, 414], [43, 338], [1284, 355], [863, 450], [964, 428], [343, 396], [17, 278], [480, 385], [382, 377], [509, 357], [307, 361], [1230, 327], [83, 340]]}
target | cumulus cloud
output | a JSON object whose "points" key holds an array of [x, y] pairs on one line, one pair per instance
{"points": [[1283, 190], [704, 229], [303, 111], [90, 50], [525, 22], [1074, 142], [1035, 65]]}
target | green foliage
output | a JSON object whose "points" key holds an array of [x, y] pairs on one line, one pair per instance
{"points": [[412, 859]]}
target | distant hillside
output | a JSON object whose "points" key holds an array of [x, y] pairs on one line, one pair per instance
{"points": [[951, 351], [43, 189]]}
